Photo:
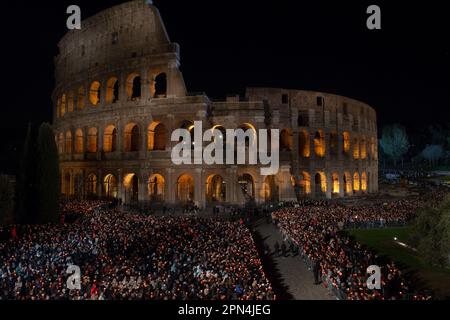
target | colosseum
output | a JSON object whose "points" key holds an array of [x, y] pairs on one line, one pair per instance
{"points": [[120, 93]]}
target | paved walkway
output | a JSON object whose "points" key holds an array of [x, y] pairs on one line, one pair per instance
{"points": [[288, 274]]}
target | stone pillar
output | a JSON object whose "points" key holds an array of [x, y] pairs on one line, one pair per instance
{"points": [[286, 190], [170, 186], [329, 178], [123, 97], [143, 194], [120, 186], [99, 182], [145, 85], [199, 187], [341, 184]]}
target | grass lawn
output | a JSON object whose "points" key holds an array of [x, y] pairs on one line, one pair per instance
{"points": [[382, 241]]}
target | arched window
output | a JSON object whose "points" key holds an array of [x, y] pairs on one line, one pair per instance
{"points": [[156, 185], [91, 186], [319, 144], [131, 184], [334, 144], [346, 142], [270, 189], [347, 183], [160, 90], [215, 189], [185, 188], [94, 93], [63, 105], [356, 185], [134, 86], [364, 182], [70, 102], [156, 136], [92, 140], [110, 186], [61, 143], [335, 181], [80, 98], [112, 90], [68, 142], [355, 149], [110, 139], [132, 138], [286, 140], [79, 141], [305, 184], [303, 141], [320, 182], [363, 148]]}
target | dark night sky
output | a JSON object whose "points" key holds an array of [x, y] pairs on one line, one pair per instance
{"points": [[403, 70]]}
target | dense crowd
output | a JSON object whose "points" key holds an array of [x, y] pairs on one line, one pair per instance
{"points": [[124, 255], [314, 228]]}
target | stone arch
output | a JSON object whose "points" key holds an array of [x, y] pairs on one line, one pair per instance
{"points": [[69, 143], [363, 148], [215, 189], [185, 188], [80, 98], [247, 185], [159, 88], [94, 93], [62, 105], [110, 186], [345, 142], [112, 90], [91, 184], [79, 141], [319, 144], [303, 144], [156, 185], [320, 181], [70, 102], [355, 148], [131, 188], [134, 86], [334, 144], [286, 140], [356, 182], [364, 181], [132, 137], [61, 143], [110, 139], [92, 140], [270, 189], [335, 183], [305, 184], [347, 183], [157, 136]]}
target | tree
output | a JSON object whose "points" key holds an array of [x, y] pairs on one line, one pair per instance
{"points": [[26, 191], [47, 175], [433, 153], [394, 142], [431, 234], [6, 201]]}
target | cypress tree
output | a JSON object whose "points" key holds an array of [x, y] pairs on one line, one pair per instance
{"points": [[26, 191], [47, 174]]}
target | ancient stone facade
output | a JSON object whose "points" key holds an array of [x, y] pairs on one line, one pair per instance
{"points": [[120, 94]]}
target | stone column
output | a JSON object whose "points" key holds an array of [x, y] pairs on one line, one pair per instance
{"points": [[329, 178], [286, 190], [170, 186]]}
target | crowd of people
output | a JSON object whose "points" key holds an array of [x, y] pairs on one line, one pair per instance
{"points": [[340, 262], [123, 255]]}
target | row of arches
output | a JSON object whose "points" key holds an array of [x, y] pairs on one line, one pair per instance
{"points": [[359, 148], [77, 99], [80, 143], [215, 191], [351, 183]]}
